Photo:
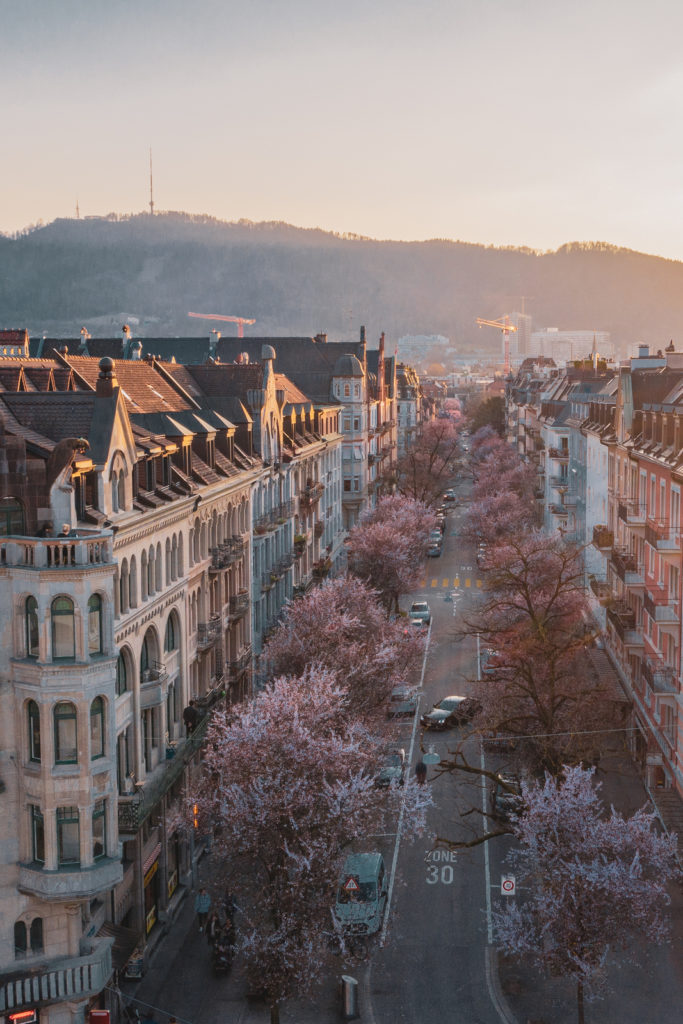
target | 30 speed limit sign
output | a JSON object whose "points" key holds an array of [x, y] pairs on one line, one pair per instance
{"points": [[507, 885]]}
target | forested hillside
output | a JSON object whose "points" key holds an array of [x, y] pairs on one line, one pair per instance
{"points": [[58, 277]]}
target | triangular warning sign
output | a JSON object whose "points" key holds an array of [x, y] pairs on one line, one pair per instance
{"points": [[351, 885]]}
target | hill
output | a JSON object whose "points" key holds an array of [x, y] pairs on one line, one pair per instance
{"points": [[292, 281]]}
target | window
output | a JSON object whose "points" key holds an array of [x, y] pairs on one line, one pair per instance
{"points": [[66, 745], [63, 632], [99, 830], [11, 518], [33, 731], [97, 728], [95, 624], [146, 658], [121, 675], [37, 835], [347, 390], [37, 935], [170, 642], [68, 836], [121, 495], [347, 485], [32, 634], [20, 945]]}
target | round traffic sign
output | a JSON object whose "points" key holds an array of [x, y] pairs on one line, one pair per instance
{"points": [[507, 885]]}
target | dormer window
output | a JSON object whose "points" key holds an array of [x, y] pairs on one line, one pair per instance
{"points": [[210, 453], [149, 475]]}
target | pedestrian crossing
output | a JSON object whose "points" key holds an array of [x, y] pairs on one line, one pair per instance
{"points": [[452, 582]]}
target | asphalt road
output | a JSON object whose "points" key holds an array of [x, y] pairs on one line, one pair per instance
{"points": [[432, 966]]}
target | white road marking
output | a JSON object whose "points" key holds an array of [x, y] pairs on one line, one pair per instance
{"points": [[487, 866], [392, 874]]}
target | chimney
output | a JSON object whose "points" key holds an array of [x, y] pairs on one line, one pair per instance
{"points": [[83, 347], [136, 350], [125, 333], [214, 338], [643, 351], [106, 382], [321, 339]]}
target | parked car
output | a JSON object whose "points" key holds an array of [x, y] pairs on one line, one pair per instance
{"points": [[362, 894], [442, 510], [392, 769], [435, 536], [402, 701], [434, 551], [450, 495], [450, 711], [420, 610], [481, 554], [506, 796]]}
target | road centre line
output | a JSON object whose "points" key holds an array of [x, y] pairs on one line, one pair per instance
{"points": [[394, 860]]}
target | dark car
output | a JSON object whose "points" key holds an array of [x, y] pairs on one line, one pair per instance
{"points": [[449, 495], [434, 551], [506, 796], [451, 711], [402, 701]]}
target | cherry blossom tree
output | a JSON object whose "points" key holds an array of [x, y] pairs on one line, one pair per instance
{"points": [[388, 546], [589, 883], [533, 616], [502, 501], [426, 468], [342, 626], [490, 413], [286, 786]]}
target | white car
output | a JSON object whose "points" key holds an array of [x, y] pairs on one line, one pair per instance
{"points": [[420, 610]]}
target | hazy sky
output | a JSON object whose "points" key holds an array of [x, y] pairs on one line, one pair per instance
{"points": [[511, 122]]}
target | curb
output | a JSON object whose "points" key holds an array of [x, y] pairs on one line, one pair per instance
{"points": [[498, 999]]}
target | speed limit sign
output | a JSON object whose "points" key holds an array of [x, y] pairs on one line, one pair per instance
{"points": [[507, 885]]}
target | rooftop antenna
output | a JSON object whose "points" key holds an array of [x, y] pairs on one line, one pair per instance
{"points": [[151, 184], [78, 211]]}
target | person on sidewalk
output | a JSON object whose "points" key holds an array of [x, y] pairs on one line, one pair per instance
{"points": [[421, 772], [202, 906], [190, 718]]}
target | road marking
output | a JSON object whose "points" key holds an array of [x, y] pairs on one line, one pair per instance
{"points": [[434, 583], [456, 581], [394, 860], [468, 582], [479, 583], [445, 583], [487, 866]]}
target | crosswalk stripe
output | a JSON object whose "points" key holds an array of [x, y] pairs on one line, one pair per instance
{"points": [[468, 582], [434, 582]]}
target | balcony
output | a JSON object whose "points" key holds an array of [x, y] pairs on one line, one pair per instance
{"points": [[602, 591], [660, 677], [623, 620], [84, 550], [663, 537], [321, 568], [631, 512], [65, 979], [227, 554], [560, 483], [310, 495], [558, 510], [627, 568], [238, 606], [318, 530], [153, 686], [658, 605], [268, 581], [561, 454], [603, 539], [134, 809], [65, 885], [239, 666], [208, 633]]}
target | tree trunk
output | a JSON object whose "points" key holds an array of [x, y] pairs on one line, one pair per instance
{"points": [[579, 1002], [274, 1013]]}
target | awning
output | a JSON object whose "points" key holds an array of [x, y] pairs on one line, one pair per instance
{"points": [[125, 941]]}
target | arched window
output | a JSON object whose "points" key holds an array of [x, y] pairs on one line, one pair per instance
{"points": [[37, 835], [63, 632], [66, 733], [148, 656], [11, 518], [99, 830], [32, 632], [33, 731], [170, 640], [124, 595], [97, 728], [37, 935], [121, 675], [114, 492], [95, 624], [122, 492], [19, 940]]}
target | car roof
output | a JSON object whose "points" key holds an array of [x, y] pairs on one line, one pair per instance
{"points": [[364, 865]]}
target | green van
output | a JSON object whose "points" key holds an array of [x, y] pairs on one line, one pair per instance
{"points": [[362, 894]]}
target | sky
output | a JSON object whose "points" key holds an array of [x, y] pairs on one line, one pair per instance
{"points": [[503, 122]]}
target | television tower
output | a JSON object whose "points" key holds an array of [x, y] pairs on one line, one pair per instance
{"points": [[151, 185]]}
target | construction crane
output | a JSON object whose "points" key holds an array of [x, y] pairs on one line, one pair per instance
{"points": [[239, 320], [504, 325]]}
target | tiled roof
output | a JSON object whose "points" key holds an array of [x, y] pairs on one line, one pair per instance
{"points": [[227, 379], [143, 388], [53, 414], [293, 394]]}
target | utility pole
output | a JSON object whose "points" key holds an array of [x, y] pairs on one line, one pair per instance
{"points": [[151, 188]]}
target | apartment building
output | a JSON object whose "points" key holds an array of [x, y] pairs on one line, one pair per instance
{"points": [[131, 494]]}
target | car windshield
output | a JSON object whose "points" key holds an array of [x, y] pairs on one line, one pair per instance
{"points": [[420, 606], [365, 893], [393, 760], [448, 703]]}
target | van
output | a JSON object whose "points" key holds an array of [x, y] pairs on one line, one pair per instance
{"points": [[362, 894]]}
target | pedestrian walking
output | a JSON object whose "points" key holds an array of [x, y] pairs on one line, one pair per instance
{"points": [[421, 772], [190, 717], [202, 906], [213, 928]]}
